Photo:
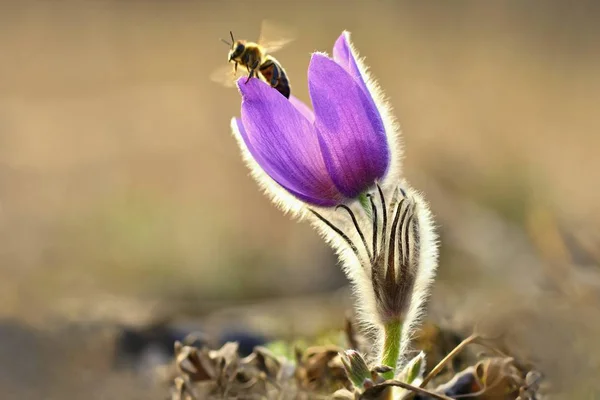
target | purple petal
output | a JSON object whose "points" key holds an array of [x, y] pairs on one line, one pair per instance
{"points": [[284, 144], [279, 179], [345, 57], [303, 108], [350, 129], [342, 54]]}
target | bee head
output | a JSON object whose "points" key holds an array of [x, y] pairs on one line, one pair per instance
{"points": [[236, 50]]}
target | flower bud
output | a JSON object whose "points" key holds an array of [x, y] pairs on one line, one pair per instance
{"points": [[356, 367]]}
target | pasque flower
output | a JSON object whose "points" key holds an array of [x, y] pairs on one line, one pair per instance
{"points": [[325, 156], [346, 150]]}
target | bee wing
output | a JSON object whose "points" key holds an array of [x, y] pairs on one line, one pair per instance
{"points": [[273, 36], [225, 75]]}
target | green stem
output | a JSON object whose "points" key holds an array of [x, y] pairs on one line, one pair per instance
{"points": [[391, 346]]}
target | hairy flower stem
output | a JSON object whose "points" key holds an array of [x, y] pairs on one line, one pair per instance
{"points": [[391, 346]]}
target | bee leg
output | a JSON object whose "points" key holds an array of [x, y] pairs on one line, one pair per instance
{"points": [[235, 65], [274, 81], [250, 76], [252, 71], [275, 78]]}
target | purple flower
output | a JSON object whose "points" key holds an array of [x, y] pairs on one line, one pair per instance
{"points": [[323, 157]]}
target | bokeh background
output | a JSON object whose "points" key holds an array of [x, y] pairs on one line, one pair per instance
{"points": [[123, 198]]}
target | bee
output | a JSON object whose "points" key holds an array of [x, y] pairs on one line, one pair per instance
{"points": [[257, 59]]}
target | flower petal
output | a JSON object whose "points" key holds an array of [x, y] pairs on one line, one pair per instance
{"points": [[303, 108], [349, 127], [284, 144], [346, 57], [343, 55]]}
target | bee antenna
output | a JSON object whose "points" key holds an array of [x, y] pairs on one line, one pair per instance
{"points": [[232, 39], [226, 42]]}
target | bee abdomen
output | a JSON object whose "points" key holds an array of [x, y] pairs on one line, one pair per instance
{"points": [[275, 75], [284, 86]]}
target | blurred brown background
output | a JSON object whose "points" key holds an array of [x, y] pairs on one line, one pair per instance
{"points": [[123, 195]]}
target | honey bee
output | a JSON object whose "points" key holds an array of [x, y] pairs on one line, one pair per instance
{"points": [[257, 59]]}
